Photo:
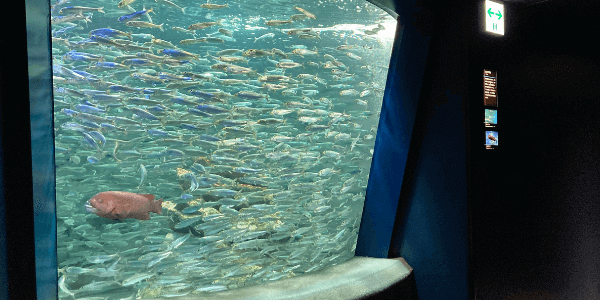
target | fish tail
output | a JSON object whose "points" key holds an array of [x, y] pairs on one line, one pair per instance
{"points": [[129, 35], [183, 10], [161, 27], [100, 10], [157, 206]]}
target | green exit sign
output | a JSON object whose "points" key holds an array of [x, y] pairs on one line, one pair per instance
{"points": [[494, 17]]}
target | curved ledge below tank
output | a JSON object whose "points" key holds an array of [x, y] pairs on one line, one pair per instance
{"points": [[357, 278]]}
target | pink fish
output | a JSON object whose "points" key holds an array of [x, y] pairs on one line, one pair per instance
{"points": [[123, 205]]}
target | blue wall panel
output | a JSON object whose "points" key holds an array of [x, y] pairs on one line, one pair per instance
{"points": [[394, 132], [42, 146], [432, 233]]}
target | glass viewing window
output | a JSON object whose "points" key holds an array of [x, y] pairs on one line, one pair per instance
{"points": [[202, 147]]}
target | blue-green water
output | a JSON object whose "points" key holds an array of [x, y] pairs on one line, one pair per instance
{"points": [[260, 154]]}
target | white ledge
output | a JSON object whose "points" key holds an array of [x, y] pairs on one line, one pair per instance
{"points": [[355, 278]]}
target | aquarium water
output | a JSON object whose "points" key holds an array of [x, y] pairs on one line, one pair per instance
{"points": [[207, 146]]}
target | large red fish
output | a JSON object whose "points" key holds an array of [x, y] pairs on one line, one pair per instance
{"points": [[123, 205]]}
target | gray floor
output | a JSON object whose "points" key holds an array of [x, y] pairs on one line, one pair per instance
{"points": [[352, 279]]}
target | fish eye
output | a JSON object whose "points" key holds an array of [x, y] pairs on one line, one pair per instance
{"points": [[99, 200]]}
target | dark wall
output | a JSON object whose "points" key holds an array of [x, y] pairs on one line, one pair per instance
{"points": [[432, 235], [17, 265], [536, 199]]}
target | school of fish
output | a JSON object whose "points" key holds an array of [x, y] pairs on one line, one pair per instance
{"points": [[254, 123]]}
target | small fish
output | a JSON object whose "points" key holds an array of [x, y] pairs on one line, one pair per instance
{"points": [[143, 175], [137, 278], [309, 36], [100, 259], [213, 6], [181, 29], [229, 51], [214, 40], [225, 32], [310, 15], [350, 92], [256, 53], [192, 41], [92, 159], [124, 3], [303, 52], [135, 15], [63, 286], [288, 65], [264, 37], [353, 56], [176, 243], [277, 22], [171, 4], [298, 17], [198, 26], [179, 53], [142, 24], [108, 32], [70, 18], [79, 10]]}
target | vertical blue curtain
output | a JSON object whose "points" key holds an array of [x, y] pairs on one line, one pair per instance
{"points": [[42, 145], [403, 87]]}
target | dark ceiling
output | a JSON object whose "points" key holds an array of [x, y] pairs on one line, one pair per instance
{"points": [[526, 2], [390, 5]]}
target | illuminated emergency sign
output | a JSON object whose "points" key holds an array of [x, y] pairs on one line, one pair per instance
{"points": [[494, 17]]}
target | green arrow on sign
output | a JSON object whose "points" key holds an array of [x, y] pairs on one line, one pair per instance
{"points": [[490, 13]]}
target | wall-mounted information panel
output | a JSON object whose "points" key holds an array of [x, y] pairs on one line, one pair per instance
{"points": [[490, 103], [490, 88]]}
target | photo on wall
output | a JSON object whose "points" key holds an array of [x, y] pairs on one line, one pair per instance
{"points": [[491, 138], [491, 117]]}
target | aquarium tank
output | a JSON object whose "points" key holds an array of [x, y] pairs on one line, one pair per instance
{"points": [[203, 147]]}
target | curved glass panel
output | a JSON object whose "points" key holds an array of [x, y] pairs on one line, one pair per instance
{"points": [[208, 146]]}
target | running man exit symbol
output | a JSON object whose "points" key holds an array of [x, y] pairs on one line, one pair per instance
{"points": [[494, 17]]}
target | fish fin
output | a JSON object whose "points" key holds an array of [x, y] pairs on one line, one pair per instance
{"points": [[157, 206], [148, 196]]}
